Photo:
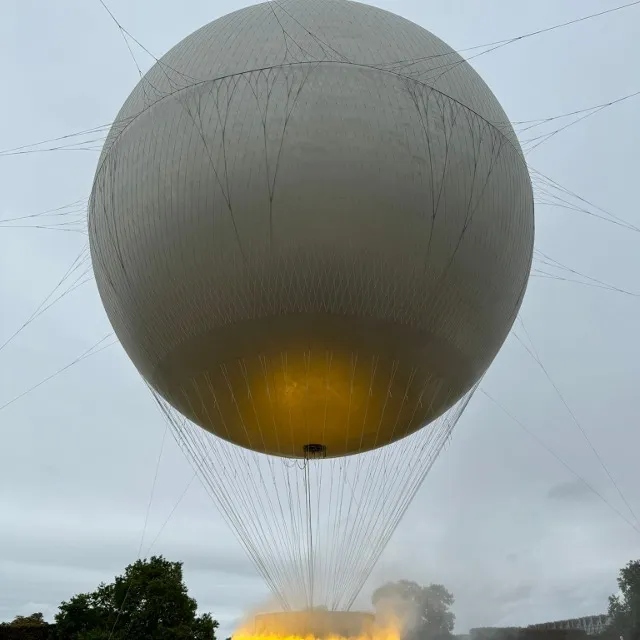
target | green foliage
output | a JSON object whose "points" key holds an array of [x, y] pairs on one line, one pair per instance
{"points": [[33, 632], [426, 611], [33, 627], [624, 610], [149, 602], [34, 620]]}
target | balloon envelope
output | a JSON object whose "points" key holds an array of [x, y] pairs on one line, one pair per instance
{"points": [[311, 227]]}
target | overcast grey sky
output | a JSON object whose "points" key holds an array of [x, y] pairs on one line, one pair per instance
{"points": [[499, 520]]}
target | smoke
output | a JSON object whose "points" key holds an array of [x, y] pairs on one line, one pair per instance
{"points": [[394, 618], [246, 625], [394, 612], [318, 623]]}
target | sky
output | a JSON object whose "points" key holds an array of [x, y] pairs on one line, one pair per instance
{"points": [[501, 520]]}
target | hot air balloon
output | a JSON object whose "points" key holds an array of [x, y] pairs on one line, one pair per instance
{"points": [[311, 228]]}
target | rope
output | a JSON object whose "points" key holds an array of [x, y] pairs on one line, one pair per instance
{"points": [[534, 355], [304, 564]]}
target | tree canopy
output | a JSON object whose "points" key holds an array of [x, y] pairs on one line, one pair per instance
{"points": [[424, 611], [34, 620], [149, 602], [624, 608]]}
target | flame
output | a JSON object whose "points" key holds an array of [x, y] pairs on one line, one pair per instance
{"points": [[388, 631], [378, 634], [392, 635]]}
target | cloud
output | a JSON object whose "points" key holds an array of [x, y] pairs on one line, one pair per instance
{"points": [[571, 491]]}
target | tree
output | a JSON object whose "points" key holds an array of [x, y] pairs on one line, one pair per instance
{"points": [[149, 602], [423, 611], [34, 620], [624, 609]]}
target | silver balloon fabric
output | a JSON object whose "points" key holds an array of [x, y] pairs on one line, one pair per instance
{"points": [[311, 227]]}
